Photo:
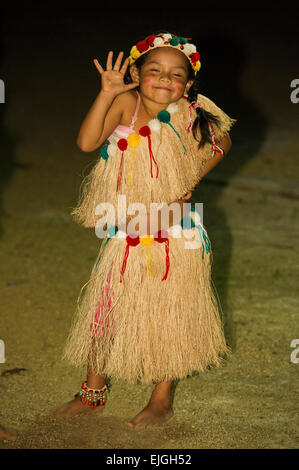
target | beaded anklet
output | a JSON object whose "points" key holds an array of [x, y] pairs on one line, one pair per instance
{"points": [[93, 396]]}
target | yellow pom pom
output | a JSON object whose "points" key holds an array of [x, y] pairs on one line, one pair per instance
{"points": [[134, 52], [147, 240], [133, 140], [197, 66]]}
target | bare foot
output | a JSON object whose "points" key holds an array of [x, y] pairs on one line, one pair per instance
{"points": [[155, 413], [73, 408], [8, 434]]}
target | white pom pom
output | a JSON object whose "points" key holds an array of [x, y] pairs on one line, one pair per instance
{"points": [[154, 125], [195, 241], [172, 108], [167, 37], [158, 41], [120, 235], [189, 49], [175, 231], [111, 149]]}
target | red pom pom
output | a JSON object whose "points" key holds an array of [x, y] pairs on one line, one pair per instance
{"points": [[151, 39], [142, 46], [144, 131], [122, 144], [161, 236], [195, 57], [132, 240]]}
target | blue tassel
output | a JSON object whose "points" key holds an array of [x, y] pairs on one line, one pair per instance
{"points": [[205, 242], [178, 136], [112, 232], [164, 116]]}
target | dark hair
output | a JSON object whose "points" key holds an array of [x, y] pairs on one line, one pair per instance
{"points": [[200, 127]]}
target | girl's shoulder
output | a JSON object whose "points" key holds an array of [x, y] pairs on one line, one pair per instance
{"points": [[212, 119], [127, 103], [208, 105], [126, 99], [204, 102]]}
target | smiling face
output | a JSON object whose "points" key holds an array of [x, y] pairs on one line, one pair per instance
{"points": [[163, 76]]}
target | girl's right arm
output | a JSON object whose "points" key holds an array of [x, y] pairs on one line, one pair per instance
{"points": [[106, 112], [225, 144]]}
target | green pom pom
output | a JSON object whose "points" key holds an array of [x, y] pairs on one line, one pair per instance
{"points": [[103, 151], [183, 40], [174, 41], [187, 222], [113, 230], [164, 116]]}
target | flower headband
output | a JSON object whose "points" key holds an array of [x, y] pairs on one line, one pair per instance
{"points": [[167, 40]]}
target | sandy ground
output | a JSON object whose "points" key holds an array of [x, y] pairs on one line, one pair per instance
{"points": [[249, 402]]}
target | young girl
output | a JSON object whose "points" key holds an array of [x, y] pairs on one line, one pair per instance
{"points": [[148, 312]]}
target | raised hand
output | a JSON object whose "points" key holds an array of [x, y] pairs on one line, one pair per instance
{"points": [[113, 77]]}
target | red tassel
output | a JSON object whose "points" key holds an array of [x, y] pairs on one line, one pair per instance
{"points": [[162, 237], [124, 262], [119, 173], [131, 241], [215, 147], [145, 132], [152, 157], [167, 259], [122, 145]]}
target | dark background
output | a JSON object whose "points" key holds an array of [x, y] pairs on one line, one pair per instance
{"points": [[249, 57]]}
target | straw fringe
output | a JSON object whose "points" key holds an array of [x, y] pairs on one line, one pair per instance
{"points": [[157, 330], [144, 328], [90, 196], [178, 172], [225, 122]]}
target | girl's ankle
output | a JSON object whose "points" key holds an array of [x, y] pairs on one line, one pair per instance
{"points": [[96, 381], [93, 397], [164, 402]]}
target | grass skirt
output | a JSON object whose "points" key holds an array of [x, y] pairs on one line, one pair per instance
{"points": [[145, 328]]}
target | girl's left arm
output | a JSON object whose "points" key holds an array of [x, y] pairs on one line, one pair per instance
{"points": [[225, 143]]}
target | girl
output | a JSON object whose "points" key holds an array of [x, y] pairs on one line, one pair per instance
{"points": [[149, 312]]}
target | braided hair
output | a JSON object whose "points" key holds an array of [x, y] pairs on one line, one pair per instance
{"points": [[200, 127]]}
